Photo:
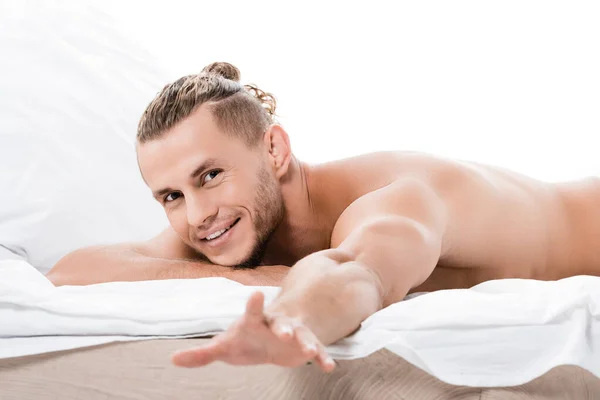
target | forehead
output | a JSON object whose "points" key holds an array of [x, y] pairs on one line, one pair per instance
{"points": [[189, 143]]}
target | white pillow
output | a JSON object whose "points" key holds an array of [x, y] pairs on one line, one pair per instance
{"points": [[72, 88]]}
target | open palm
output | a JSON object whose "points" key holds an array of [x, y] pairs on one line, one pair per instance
{"points": [[259, 338]]}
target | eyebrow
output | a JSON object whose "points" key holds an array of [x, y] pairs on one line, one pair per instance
{"points": [[206, 164]]}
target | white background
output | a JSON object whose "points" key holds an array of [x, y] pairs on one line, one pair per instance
{"points": [[512, 83]]}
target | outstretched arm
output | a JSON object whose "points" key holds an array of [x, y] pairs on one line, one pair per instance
{"points": [[384, 244]]}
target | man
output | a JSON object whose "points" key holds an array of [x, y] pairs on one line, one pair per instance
{"points": [[360, 233]]}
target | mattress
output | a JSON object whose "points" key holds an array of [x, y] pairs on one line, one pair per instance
{"points": [[500, 333]]}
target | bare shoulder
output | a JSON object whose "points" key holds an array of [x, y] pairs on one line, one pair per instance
{"points": [[488, 209], [469, 189], [445, 175], [340, 183], [358, 175], [167, 245]]}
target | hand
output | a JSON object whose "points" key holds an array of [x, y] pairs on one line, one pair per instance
{"points": [[259, 338]]}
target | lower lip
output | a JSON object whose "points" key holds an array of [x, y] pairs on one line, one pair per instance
{"points": [[221, 239]]}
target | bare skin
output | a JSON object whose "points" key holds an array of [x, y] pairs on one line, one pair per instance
{"points": [[361, 233]]}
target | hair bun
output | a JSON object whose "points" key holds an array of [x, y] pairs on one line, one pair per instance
{"points": [[224, 69]]}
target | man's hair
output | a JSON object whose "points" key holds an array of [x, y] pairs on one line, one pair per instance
{"points": [[242, 111]]}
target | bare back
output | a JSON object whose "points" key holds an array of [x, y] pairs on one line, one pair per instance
{"points": [[501, 224]]}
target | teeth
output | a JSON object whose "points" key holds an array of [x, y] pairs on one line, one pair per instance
{"points": [[218, 233]]}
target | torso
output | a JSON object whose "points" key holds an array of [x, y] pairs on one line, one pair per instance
{"points": [[502, 224]]}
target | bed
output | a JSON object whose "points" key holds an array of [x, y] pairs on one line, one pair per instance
{"points": [[497, 334], [140, 370]]}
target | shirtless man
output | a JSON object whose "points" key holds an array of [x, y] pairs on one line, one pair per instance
{"points": [[360, 233]]}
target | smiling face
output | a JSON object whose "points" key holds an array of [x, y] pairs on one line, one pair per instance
{"points": [[220, 196]]}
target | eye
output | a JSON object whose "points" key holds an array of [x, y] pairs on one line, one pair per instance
{"points": [[211, 175], [172, 197]]}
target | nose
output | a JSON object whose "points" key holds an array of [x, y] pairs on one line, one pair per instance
{"points": [[199, 210]]}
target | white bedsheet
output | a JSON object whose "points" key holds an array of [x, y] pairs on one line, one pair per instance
{"points": [[499, 333]]}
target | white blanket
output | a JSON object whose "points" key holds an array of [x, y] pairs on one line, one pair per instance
{"points": [[499, 333]]}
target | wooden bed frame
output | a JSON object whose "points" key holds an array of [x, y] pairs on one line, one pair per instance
{"points": [[141, 370]]}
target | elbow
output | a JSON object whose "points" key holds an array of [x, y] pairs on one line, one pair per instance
{"points": [[57, 278], [60, 275], [67, 271]]}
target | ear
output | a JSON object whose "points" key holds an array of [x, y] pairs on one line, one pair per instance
{"points": [[277, 143]]}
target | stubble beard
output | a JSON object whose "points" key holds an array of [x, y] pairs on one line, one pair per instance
{"points": [[269, 211]]}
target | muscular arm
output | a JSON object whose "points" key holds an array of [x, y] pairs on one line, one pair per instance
{"points": [[160, 258], [384, 244]]}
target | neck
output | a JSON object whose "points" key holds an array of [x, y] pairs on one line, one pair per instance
{"points": [[301, 231]]}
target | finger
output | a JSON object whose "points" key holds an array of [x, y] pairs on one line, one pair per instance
{"points": [[307, 341], [199, 356], [315, 349], [324, 360], [282, 328], [255, 305]]}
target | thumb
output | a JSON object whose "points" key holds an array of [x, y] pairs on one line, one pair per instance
{"points": [[255, 305]]}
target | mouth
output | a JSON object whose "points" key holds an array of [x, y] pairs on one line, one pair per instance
{"points": [[221, 236]]}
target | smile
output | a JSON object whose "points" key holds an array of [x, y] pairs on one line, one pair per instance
{"points": [[220, 233]]}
